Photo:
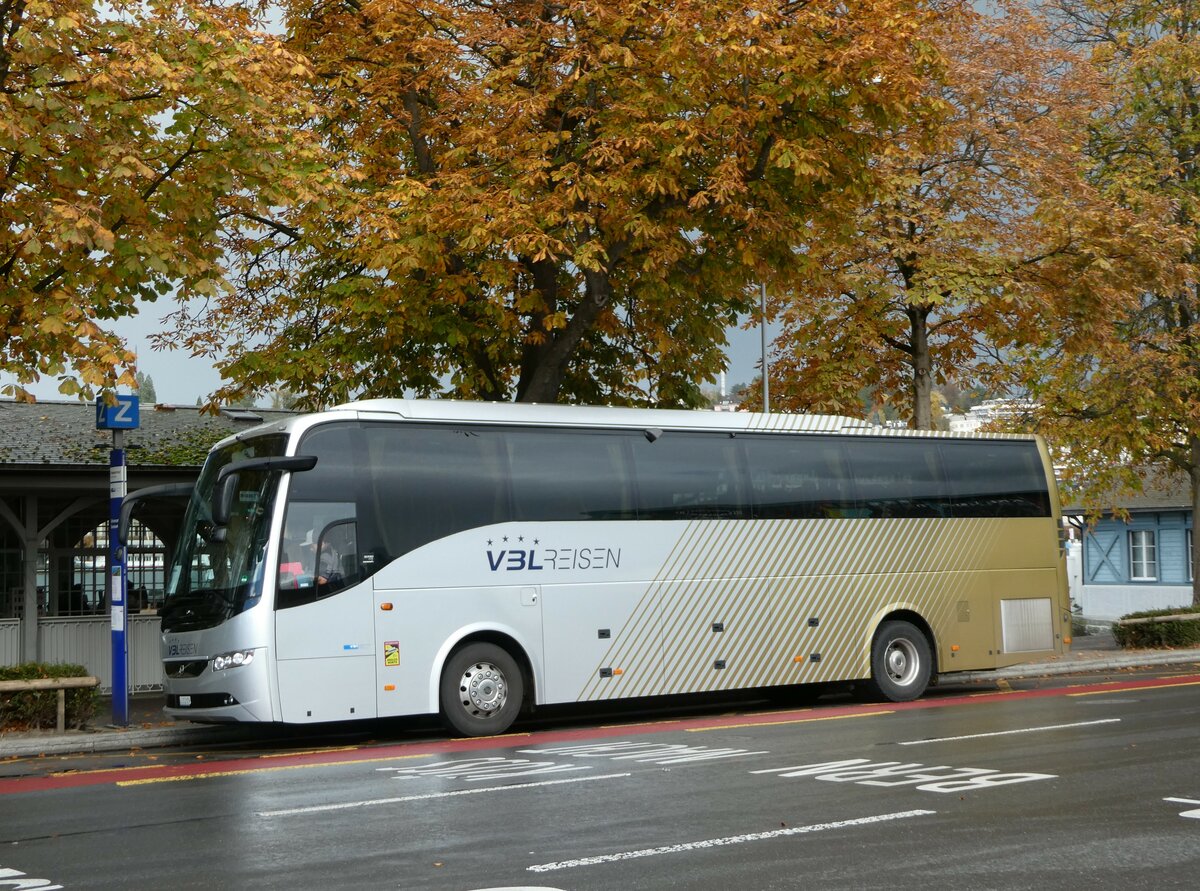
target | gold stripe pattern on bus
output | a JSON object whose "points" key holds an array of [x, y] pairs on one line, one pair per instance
{"points": [[745, 604]]}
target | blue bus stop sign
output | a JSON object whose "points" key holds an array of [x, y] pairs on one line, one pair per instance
{"points": [[122, 416], [118, 418]]}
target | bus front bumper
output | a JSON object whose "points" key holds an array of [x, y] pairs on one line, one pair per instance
{"points": [[234, 695]]}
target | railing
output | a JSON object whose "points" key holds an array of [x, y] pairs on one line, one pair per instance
{"points": [[59, 684], [87, 641]]}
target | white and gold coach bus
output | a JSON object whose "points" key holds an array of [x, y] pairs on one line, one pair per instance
{"points": [[403, 557]]}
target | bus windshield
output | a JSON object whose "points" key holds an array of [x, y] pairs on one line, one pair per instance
{"points": [[217, 574]]}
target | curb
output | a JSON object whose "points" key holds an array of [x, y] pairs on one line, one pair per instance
{"points": [[1046, 669], [86, 742]]}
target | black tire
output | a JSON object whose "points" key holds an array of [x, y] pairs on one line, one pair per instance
{"points": [[482, 690], [901, 662]]}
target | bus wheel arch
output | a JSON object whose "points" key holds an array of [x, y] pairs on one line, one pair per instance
{"points": [[486, 681], [903, 657]]}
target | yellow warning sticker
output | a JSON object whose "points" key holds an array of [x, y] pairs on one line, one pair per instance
{"points": [[391, 653]]}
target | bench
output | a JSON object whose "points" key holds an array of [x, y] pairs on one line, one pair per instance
{"points": [[59, 684]]}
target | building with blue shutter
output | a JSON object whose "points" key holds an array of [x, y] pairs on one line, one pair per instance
{"points": [[1140, 563]]}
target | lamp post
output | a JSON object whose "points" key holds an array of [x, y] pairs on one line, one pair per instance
{"points": [[762, 327]]}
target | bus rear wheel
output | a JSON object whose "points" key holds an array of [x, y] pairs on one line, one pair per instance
{"points": [[901, 662], [482, 690]]}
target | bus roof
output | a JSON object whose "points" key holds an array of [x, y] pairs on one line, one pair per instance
{"points": [[596, 416]]}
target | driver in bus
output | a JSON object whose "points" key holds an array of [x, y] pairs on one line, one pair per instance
{"points": [[326, 568]]}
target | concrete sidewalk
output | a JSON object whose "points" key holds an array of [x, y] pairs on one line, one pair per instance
{"points": [[149, 728]]}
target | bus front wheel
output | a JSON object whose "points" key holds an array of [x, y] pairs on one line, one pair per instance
{"points": [[901, 662], [482, 690]]}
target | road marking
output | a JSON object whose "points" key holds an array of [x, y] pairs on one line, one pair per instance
{"points": [[781, 723], [14, 878], [1137, 686], [209, 774], [475, 769], [1192, 815], [921, 742], [926, 779], [347, 805], [322, 751], [643, 752], [722, 842]]}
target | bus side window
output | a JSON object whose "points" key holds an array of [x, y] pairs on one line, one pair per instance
{"points": [[798, 477], [570, 475], [898, 477], [689, 476], [995, 478], [431, 482]]}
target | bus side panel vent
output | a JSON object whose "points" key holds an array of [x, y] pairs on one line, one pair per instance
{"points": [[718, 627], [815, 657], [604, 633], [719, 664], [814, 622], [606, 672]]}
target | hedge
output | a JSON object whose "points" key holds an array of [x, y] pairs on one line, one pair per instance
{"points": [[39, 708], [1159, 628]]}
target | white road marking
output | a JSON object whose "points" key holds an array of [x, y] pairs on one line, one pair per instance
{"points": [[476, 769], [653, 753], [14, 878], [721, 842], [1192, 815], [926, 779], [921, 742], [321, 808]]}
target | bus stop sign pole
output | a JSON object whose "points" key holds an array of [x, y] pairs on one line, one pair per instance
{"points": [[119, 417]]}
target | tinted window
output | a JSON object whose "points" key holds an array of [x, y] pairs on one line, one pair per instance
{"points": [[798, 477], [994, 478], [319, 554], [687, 476], [897, 477], [570, 475], [431, 482]]}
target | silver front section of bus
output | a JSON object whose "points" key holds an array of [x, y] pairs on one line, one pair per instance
{"points": [[208, 692]]}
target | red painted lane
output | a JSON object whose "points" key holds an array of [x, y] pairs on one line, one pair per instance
{"points": [[410, 750]]}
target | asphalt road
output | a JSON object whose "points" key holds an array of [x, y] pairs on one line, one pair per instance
{"points": [[1089, 786]]}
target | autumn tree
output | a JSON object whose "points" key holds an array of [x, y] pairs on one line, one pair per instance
{"points": [[131, 133], [557, 201], [908, 297], [1118, 381]]}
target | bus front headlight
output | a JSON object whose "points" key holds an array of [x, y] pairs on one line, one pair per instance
{"points": [[231, 660]]}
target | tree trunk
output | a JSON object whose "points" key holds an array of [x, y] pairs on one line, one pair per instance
{"points": [[542, 381], [922, 365]]}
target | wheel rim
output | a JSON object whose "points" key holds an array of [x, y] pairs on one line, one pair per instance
{"points": [[483, 689], [902, 662]]}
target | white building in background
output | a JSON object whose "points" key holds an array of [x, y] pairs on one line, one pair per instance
{"points": [[986, 412], [723, 402]]}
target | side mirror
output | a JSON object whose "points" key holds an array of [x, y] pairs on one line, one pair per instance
{"points": [[223, 503], [227, 483]]}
